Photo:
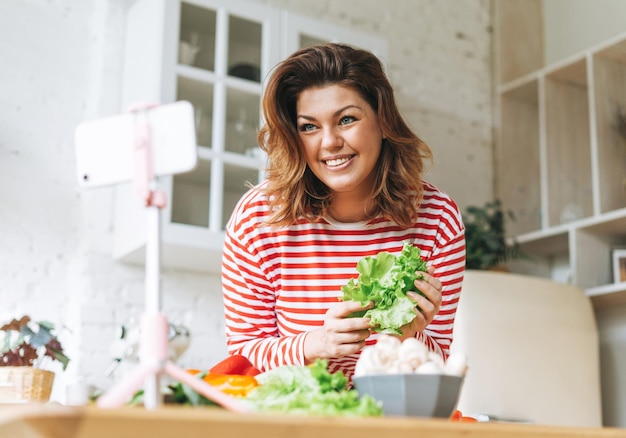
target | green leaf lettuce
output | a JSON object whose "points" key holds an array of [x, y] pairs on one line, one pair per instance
{"points": [[385, 279], [310, 390]]}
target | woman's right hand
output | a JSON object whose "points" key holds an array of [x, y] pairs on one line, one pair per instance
{"points": [[340, 335]]}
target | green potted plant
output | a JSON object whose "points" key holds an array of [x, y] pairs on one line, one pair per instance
{"points": [[485, 237], [25, 345]]}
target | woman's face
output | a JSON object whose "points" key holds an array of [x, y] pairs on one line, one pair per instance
{"points": [[341, 137]]}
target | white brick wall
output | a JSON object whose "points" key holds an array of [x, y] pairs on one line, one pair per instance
{"points": [[60, 63]]}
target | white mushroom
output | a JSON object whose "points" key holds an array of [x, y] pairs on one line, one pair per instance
{"points": [[413, 352], [369, 362], [428, 368], [456, 365], [388, 348], [437, 359], [403, 368]]}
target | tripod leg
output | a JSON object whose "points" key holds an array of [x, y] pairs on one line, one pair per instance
{"points": [[122, 392], [214, 394]]}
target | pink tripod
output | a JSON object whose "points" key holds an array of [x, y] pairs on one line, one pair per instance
{"points": [[153, 356]]}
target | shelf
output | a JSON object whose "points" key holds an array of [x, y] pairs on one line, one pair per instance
{"points": [[184, 247], [519, 83], [612, 223], [607, 295], [552, 241], [561, 163]]}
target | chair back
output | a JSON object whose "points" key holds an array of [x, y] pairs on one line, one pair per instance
{"points": [[532, 347]]}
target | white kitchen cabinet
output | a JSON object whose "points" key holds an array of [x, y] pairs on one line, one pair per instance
{"points": [[214, 54], [561, 162]]}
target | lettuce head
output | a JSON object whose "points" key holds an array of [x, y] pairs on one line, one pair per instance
{"points": [[385, 279], [310, 390]]}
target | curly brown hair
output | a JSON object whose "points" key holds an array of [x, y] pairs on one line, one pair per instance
{"points": [[295, 193]]}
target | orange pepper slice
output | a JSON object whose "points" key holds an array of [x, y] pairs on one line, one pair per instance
{"points": [[231, 384]]}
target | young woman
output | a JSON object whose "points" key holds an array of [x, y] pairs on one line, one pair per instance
{"points": [[344, 181]]}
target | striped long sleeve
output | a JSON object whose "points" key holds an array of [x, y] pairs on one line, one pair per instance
{"points": [[278, 283]]}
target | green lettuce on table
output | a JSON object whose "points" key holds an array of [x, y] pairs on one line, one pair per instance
{"points": [[385, 279], [310, 390]]}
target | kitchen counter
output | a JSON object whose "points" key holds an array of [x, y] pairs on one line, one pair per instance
{"points": [[55, 421]]}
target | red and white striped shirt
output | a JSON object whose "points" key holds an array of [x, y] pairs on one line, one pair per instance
{"points": [[278, 283]]}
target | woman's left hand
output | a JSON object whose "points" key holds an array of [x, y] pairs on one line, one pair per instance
{"points": [[427, 306]]}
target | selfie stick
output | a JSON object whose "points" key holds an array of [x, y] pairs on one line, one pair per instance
{"points": [[154, 330]]}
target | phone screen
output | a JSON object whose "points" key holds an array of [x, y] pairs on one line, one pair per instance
{"points": [[105, 148]]}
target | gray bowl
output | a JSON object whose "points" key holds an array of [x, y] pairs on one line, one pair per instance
{"points": [[414, 395]]}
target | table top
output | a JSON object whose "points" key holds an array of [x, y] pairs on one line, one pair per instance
{"points": [[53, 421]]}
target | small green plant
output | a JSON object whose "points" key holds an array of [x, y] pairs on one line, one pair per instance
{"points": [[25, 342], [485, 236]]}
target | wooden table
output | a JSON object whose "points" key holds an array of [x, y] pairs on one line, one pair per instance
{"points": [[54, 421]]}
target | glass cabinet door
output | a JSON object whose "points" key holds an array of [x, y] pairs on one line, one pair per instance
{"points": [[222, 53]]}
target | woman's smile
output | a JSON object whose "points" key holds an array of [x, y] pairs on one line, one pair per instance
{"points": [[337, 162]]}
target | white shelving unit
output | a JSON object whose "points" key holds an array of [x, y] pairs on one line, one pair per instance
{"points": [[561, 161], [214, 54]]}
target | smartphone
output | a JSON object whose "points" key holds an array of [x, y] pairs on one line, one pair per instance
{"points": [[105, 148]]}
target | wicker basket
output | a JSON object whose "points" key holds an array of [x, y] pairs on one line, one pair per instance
{"points": [[25, 384]]}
